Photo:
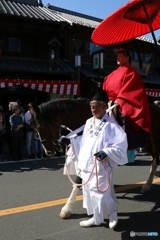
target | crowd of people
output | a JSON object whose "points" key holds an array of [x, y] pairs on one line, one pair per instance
{"points": [[17, 133]]}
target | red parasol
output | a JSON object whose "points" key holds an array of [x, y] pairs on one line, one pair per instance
{"points": [[134, 19]]}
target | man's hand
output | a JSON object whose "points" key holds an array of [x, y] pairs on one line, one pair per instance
{"points": [[100, 155]]}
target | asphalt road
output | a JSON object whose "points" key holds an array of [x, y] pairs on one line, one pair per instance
{"points": [[32, 194]]}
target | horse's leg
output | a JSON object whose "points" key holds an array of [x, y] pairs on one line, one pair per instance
{"points": [[154, 165], [67, 208], [157, 172]]}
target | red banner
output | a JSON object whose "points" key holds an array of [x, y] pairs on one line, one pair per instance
{"points": [[58, 87], [153, 92]]}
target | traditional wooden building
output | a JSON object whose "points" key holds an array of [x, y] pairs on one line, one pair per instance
{"points": [[46, 52]]}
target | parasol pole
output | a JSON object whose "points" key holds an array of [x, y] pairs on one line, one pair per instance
{"points": [[150, 27], [154, 38]]}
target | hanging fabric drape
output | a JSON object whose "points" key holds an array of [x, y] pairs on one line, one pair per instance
{"points": [[58, 87], [153, 92]]}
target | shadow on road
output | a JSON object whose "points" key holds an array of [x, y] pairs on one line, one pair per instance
{"points": [[137, 223], [22, 166]]}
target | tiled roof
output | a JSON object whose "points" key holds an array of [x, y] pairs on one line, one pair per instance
{"points": [[87, 70], [29, 2], [75, 17], [29, 9], [85, 20], [146, 39], [34, 9], [20, 65]]}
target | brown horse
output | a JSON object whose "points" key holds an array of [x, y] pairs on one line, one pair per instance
{"points": [[49, 118]]}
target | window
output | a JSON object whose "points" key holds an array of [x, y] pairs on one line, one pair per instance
{"points": [[146, 57], [95, 48], [52, 54], [14, 44], [81, 46]]}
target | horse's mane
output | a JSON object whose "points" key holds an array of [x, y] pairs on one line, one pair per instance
{"points": [[49, 110]]}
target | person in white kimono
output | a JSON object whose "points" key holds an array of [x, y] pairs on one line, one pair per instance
{"points": [[101, 148]]}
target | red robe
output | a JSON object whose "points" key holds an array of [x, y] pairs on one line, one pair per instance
{"points": [[125, 86]]}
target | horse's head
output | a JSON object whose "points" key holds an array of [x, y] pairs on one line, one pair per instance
{"points": [[49, 117], [48, 131]]}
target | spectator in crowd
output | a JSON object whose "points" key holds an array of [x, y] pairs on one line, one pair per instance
{"points": [[21, 109], [29, 132], [8, 135], [2, 130], [17, 132]]}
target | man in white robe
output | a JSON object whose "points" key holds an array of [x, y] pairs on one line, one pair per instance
{"points": [[101, 148]]}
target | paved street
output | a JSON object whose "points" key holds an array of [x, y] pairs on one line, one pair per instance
{"points": [[33, 193]]}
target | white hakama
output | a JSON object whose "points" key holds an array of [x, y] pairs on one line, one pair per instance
{"points": [[99, 135]]}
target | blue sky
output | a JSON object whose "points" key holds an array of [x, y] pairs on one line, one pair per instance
{"points": [[96, 8]]}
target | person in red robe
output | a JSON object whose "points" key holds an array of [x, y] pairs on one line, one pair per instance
{"points": [[124, 86]]}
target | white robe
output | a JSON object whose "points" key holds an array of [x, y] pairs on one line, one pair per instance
{"points": [[99, 135]]}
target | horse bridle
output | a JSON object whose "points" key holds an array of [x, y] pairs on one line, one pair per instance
{"points": [[56, 142]]}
